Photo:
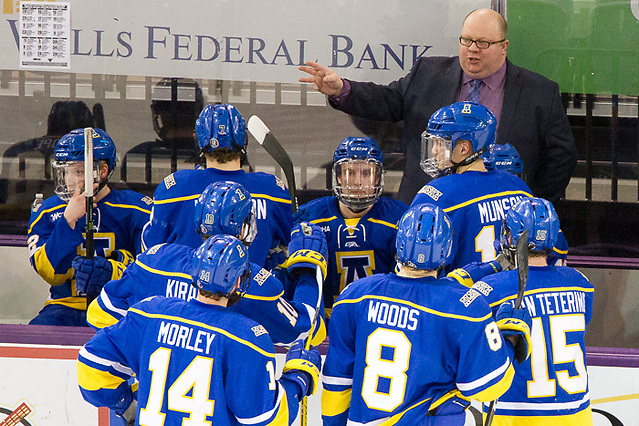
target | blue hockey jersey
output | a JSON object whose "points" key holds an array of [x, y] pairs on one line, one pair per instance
{"points": [[164, 270], [401, 347], [357, 248], [476, 203], [551, 387], [193, 361], [172, 220], [118, 221]]}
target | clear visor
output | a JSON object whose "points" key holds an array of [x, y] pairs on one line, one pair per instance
{"points": [[68, 176], [249, 229], [358, 183], [436, 152]]}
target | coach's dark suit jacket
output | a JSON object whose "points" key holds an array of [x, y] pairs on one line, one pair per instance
{"points": [[533, 120]]}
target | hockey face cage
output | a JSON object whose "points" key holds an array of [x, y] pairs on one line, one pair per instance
{"points": [[68, 162], [68, 176], [358, 183], [436, 152], [240, 291]]}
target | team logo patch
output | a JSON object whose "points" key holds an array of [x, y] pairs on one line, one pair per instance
{"points": [[280, 183], [468, 298], [259, 330], [169, 181], [466, 109], [431, 192], [214, 143], [148, 200]]}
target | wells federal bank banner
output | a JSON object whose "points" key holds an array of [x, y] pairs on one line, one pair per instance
{"points": [[230, 39]]}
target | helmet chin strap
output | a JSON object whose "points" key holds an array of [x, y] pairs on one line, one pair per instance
{"points": [[468, 160]]}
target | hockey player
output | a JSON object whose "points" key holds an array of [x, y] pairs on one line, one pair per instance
{"points": [[165, 270], [475, 199], [360, 225], [197, 362], [551, 388], [409, 348], [505, 157], [221, 136], [56, 228]]}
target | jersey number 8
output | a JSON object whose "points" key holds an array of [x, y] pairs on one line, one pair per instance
{"points": [[387, 359]]}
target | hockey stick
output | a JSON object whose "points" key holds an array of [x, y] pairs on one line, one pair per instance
{"points": [[320, 281], [88, 189], [521, 263], [264, 137]]}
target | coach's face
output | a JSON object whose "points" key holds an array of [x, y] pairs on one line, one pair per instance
{"points": [[483, 25]]}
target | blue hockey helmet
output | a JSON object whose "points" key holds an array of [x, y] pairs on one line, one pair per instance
{"points": [[559, 253], [221, 127], [217, 265], [226, 208], [539, 217], [504, 157], [70, 147], [424, 237], [468, 121], [70, 150], [358, 172]]}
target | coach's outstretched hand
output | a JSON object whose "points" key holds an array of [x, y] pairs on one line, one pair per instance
{"points": [[307, 249], [323, 79], [515, 324], [303, 367]]}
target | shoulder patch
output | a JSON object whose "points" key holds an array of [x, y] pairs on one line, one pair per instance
{"points": [[431, 192], [258, 330], [468, 298], [154, 249], [169, 181], [279, 183], [482, 287], [261, 276], [148, 200]]}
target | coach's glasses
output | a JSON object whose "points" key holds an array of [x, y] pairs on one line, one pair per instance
{"points": [[481, 44]]}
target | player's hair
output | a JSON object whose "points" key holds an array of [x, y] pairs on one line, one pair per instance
{"points": [[223, 156], [213, 295]]}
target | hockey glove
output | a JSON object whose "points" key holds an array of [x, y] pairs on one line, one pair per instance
{"points": [[276, 257], [303, 367], [308, 248], [122, 256], [473, 272], [127, 406], [300, 216], [91, 274], [516, 323]]}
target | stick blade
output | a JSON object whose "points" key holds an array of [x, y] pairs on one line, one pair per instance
{"points": [[258, 129], [522, 266]]}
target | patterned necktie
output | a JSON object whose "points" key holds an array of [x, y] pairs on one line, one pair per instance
{"points": [[473, 94]]}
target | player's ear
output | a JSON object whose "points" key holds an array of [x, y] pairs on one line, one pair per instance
{"points": [[103, 170]]}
